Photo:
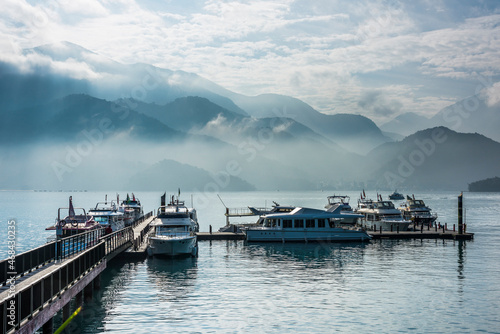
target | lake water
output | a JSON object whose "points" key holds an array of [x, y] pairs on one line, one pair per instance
{"points": [[405, 286]]}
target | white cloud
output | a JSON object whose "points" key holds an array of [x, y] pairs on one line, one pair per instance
{"points": [[493, 94], [316, 52]]}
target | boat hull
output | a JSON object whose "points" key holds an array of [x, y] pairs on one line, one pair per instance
{"points": [[290, 235], [174, 246], [387, 225]]}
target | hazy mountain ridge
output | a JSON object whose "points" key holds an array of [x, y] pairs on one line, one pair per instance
{"points": [[354, 132], [273, 141], [436, 158], [472, 114], [407, 124]]}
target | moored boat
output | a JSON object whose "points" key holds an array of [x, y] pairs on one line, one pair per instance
{"points": [[381, 214], [303, 225], [108, 216], [131, 209], [174, 230], [347, 215], [416, 211], [73, 223]]}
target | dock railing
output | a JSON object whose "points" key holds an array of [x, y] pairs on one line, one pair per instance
{"points": [[241, 212], [56, 250], [69, 246], [26, 262], [25, 303]]}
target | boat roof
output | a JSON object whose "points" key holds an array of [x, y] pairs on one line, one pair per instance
{"points": [[300, 212]]}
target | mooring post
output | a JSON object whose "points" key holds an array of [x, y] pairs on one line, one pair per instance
{"points": [[210, 229], [380, 229], [79, 299], [65, 312], [460, 214], [87, 292], [97, 282]]}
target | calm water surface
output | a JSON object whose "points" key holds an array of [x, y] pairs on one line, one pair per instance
{"points": [[407, 286]]}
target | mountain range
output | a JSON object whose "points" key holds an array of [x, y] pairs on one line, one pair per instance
{"points": [[100, 124]]}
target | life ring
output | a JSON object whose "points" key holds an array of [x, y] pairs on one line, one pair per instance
{"points": [[63, 223], [74, 223]]}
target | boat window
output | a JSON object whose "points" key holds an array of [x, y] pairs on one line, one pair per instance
{"points": [[332, 223], [321, 223], [287, 223], [310, 223], [299, 223]]}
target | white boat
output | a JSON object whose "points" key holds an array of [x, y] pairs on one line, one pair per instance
{"points": [[174, 231], [132, 209], [416, 211], [107, 214], [348, 216], [303, 225], [381, 213], [73, 223]]}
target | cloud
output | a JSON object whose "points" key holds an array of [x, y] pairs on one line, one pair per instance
{"points": [[316, 52], [492, 94], [378, 104]]}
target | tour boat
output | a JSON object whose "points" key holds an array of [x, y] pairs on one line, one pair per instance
{"points": [[381, 213], [174, 230], [107, 214], [348, 216], [304, 225], [131, 209], [73, 223], [416, 211]]}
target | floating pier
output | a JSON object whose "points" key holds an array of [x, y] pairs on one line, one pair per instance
{"points": [[424, 234]]}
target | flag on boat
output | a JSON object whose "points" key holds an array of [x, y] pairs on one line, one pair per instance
{"points": [[364, 196], [71, 208], [179, 192], [163, 197], [408, 197], [128, 198], [133, 197]]}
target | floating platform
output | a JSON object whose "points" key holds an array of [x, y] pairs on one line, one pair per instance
{"points": [[202, 236], [220, 236]]}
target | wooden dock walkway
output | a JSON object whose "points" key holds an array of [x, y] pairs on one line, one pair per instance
{"points": [[36, 284]]}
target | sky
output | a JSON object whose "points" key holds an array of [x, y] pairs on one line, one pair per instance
{"points": [[374, 58]]}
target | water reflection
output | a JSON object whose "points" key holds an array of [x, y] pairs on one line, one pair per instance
{"points": [[334, 256], [174, 278]]}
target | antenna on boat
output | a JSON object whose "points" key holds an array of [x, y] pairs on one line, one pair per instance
{"points": [[222, 201]]}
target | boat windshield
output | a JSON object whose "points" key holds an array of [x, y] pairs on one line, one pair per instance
{"points": [[101, 219], [173, 215], [384, 205], [171, 229]]}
